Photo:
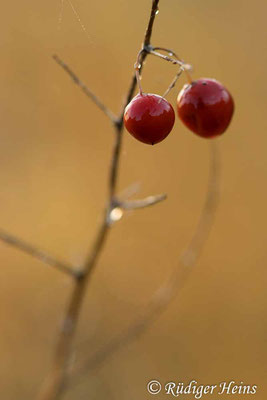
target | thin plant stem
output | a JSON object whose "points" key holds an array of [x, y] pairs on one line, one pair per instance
{"points": [[166, 58], [169, 290], [55, 386], [114, 168], [185, 67], [173, 82]]}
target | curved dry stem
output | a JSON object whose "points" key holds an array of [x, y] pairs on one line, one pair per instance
{"points": [[148, 49], [137, 68], [166, 58], [169, 51], [169, 290], [176, 61]]}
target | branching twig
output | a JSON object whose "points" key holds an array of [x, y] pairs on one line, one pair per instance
{"points": [[57, 380], [169, 290], [54, 387], [148, 49]]}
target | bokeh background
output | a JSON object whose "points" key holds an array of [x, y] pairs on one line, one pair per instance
{"points": [[54, 159]]}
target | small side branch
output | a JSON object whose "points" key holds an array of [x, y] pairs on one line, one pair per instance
{"points": [[166, 58], [38, 253], [86, 90], [142, 203], [170, 59]]}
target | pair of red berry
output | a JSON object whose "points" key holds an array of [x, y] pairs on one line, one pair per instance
{"points": [[205, 106]]}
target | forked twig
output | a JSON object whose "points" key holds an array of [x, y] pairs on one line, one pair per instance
{"points": [[148, 49], [117, 122], [56, 383], [169, 290]]}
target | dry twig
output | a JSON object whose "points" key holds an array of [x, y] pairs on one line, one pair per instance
{"points": [[171, 288], [56, 383]]}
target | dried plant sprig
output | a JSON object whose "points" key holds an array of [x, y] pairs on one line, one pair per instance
{"points": [[172, 286], [117, 122], [58, 378]]}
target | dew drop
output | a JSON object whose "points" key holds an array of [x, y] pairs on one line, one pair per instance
{"points": [[156, 13], [116, 214]]}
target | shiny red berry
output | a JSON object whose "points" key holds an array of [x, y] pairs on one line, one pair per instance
{"points": [[149, 118], [206, 107]]}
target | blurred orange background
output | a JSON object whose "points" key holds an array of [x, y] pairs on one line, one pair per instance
{"points": [[54, 160]]}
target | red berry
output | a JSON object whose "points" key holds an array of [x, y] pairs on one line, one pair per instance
{"points": [[149, 118], [206, 107]]}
